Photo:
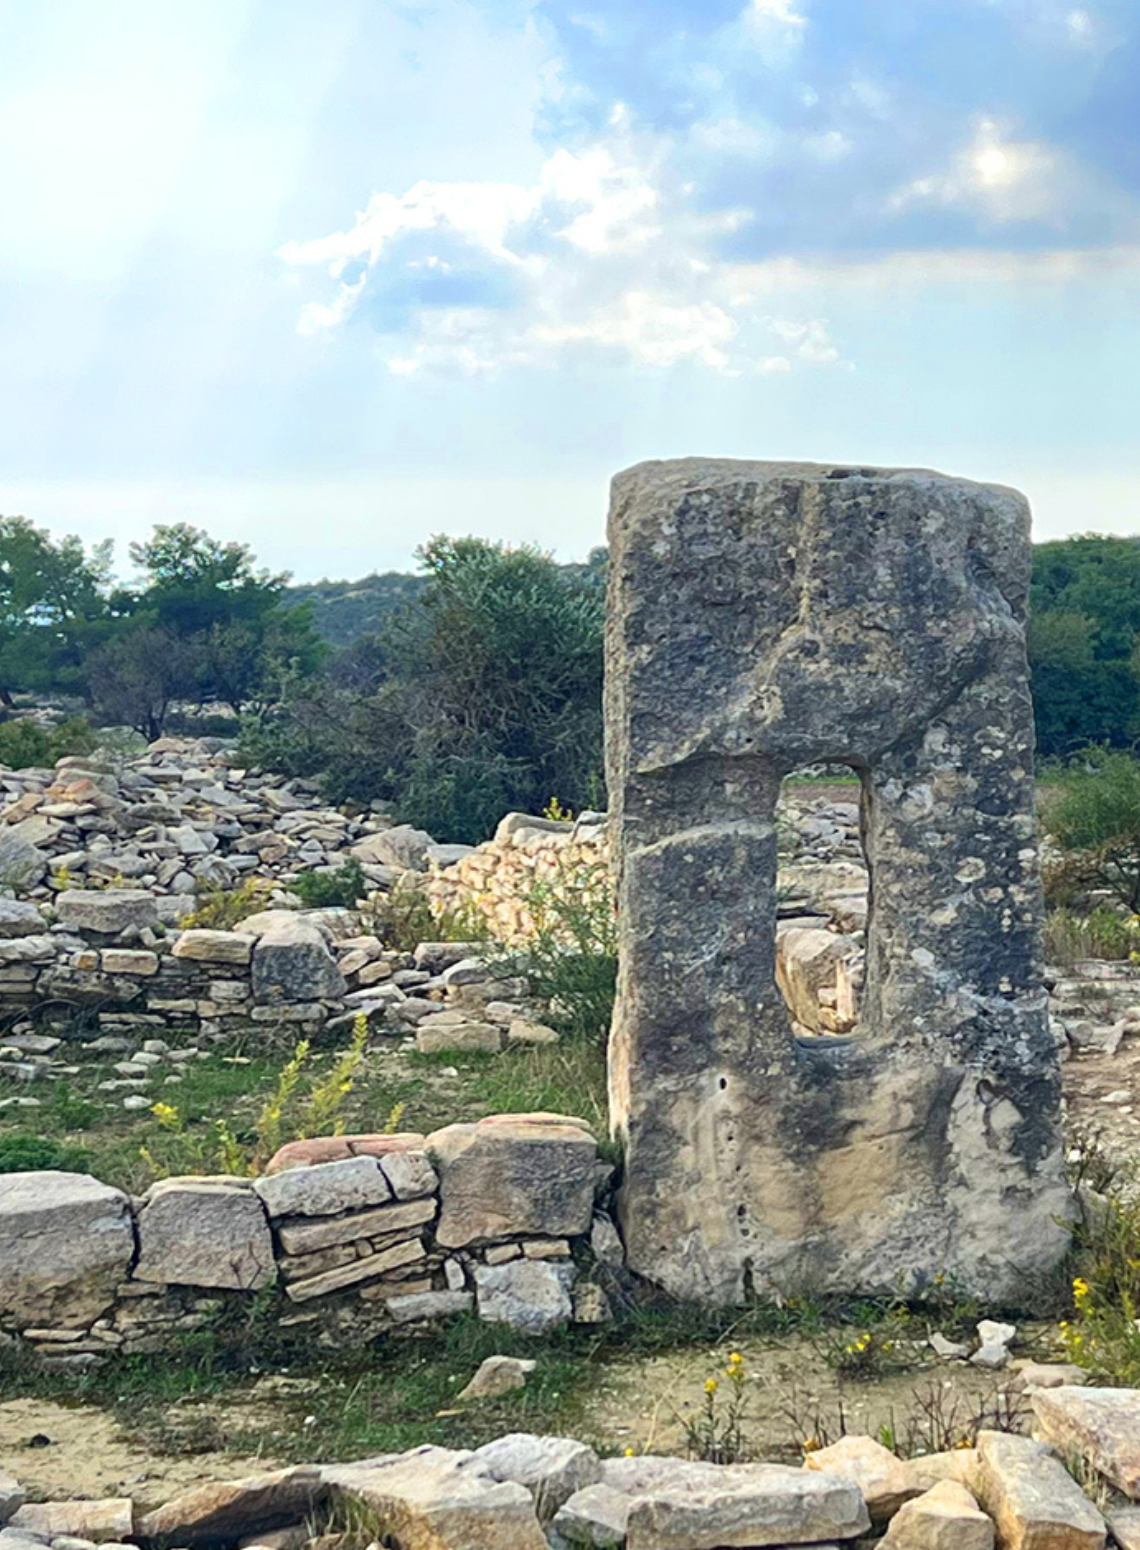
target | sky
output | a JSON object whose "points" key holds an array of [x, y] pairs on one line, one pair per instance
{"points": [[330, 276]]}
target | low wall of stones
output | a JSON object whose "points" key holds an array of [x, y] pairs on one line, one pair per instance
{"points": [[353, 1235]]}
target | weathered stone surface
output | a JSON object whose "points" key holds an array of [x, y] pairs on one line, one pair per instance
{"points": [[512, 1174], [414, 1307], [531, 1295], [100, 1521], [679, 1504], [410, 1174], [214, 946], [879, 1474], [66, 1241], [1034, 1501], [483, 1038], [324, 1149], [551, 1468], [402, 846], [497, 1375], [301, 1236], [764, 616], [369, 1268], [598, 1515], [945, 1518], [22, 865], [435, 1499], [13, 1495], [1125, 1525], [292, 962], [1101, 1425], [106, 910], [930, 1469], [18, 918], [223, 1513], [324, 1189], [198, 1232]]}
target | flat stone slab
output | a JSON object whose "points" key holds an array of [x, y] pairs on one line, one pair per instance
{"points": [[236, 1509], [106, 910], [436, 1499], [105, 1520], [679, 1504], [1034, 1501], [324, 1189], [1102, 1425], [507, 1175], [66, 1241], [199, 1232], [214, 946]]}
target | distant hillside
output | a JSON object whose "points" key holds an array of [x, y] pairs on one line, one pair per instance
{"points": [[344, 610]]}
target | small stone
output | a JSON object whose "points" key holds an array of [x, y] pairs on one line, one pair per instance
{"points": [[214, 946], [551, 1468], [325, 1189], [410, 1174], [591, 1305], [413, 1309], [945, 1518], [948, 1350], [597, 1516], [497, 1376], [532, 1296], [1051, 1375], [877, 1472], [108, 1518], [523, 1032], [1101, 1425], [479, 1038], [13, 1495]]}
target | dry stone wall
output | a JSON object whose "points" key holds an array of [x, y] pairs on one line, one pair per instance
{"points": [[357, 1234]]}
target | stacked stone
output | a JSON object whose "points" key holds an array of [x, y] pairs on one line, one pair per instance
{"points": [[365, 1231], [358, 1224], [182, 817]]}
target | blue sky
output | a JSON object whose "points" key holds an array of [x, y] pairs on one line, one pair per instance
{"points": [[332, 275]]}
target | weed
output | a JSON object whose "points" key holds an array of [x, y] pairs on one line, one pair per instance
{"points": [[404, 917], [21, 1153], [862, 1357], [716, 1435], [571, 958], [221, 909], [1099, 933], [338, 888]]}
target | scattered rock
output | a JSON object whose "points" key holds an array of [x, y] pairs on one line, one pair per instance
{"points": [[881, 1477], [497, 1376], [1032, 1498], [945, 1518]]}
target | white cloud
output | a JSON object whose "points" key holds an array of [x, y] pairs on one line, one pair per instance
{"points": [[782, 11], [593, 256], [996, 175], [1080, 25]]}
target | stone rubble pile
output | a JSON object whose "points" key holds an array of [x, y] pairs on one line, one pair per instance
{"points": [[527, 1492], [359, 1234]]}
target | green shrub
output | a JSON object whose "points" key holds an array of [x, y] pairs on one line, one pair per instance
{"points": [[1100, 933], [221, 909], [1096, 817], [22, 1153], [24, 744], [337, 889], [571, 961], [403, 918]]}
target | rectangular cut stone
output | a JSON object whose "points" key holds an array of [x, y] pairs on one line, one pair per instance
{"points": [[1101, 1425], [360, 1270], [108, 1519], [512, 1174], [66, 1241], [1034, 1501], [214, 946], [301, 1267], [679, 1504], [325, 1189], [202, 1232], [303, 1237], [763, 616], [123, 960]]}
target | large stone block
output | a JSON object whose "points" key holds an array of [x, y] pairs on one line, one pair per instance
{"points": [[204, 1232], [292, 962], [1101, 1426], [107, 910], [66, 1241], [764, 616], [511, 1174]]}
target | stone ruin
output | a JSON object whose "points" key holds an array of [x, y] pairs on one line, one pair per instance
{"points": [[765, 616]]}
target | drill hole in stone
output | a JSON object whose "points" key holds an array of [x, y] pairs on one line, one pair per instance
{"points": [[823, 891]]}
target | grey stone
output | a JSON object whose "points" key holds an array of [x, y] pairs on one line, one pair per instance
{"points": [[232, 1509], [497, 1375], [761, 617], [414, 1307], [403, 847], [513, 1174], [66, 1241], [1102, 1426], [551, 1468], [13, 1495], [292, 962], [410, 1174], [680, 1504], [109, 1518], [598, 1515], [19, 918], [204, 1232], [21, 864], [530, 1295], [324, 1189], [107, 910]]}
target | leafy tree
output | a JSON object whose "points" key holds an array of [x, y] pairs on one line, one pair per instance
{"points": [[53, 606], [135, 678], [1096, 817]]}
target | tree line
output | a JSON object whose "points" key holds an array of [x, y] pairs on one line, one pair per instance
{"points": [[478, 688]]}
